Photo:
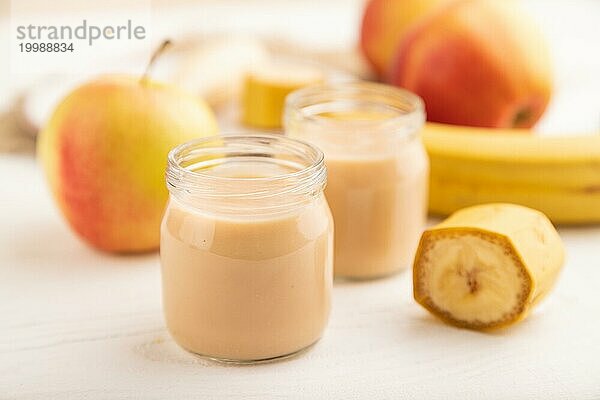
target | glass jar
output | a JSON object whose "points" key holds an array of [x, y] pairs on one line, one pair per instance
{"points": [[377, 167], [246, 247]]}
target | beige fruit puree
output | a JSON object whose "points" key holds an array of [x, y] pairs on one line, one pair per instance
{"points": [[377, 168], [247, 262]]}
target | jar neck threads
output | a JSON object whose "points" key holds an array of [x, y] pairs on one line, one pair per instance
{"points": [[258, 174], [354, 115]]}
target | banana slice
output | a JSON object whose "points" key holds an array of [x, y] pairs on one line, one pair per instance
{"points": [[266, 87], [486, 266]]}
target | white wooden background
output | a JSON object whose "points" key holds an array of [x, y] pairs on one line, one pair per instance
{"points": [[77, 324]]}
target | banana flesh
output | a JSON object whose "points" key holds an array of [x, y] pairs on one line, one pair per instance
{"points": [[486, 266], [559, 176]]}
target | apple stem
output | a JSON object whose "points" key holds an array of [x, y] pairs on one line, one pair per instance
{"points": [[163, 46]]}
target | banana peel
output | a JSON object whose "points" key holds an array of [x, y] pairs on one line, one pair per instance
{"points": [[266, 87], [559, 176]]}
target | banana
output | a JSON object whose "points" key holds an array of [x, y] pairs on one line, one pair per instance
{"points": [[486, 266], [559, 176], [266, 87]]}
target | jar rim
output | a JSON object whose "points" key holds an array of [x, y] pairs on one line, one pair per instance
{"points": [[308, 177], [412, 113], [318, 154]]}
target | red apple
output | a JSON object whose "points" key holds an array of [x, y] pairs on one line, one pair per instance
{"points": [[476, 62], [383, 24]]}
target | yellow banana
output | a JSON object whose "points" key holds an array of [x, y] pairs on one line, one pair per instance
{"points": [[559, 176], [266, 87], [486, 266]]}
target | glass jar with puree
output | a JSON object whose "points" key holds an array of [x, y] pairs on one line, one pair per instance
{"points": [[246, 247], [377, 170]]}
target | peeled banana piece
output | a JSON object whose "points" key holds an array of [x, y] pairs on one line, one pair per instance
{"points": [[487, 266], [559, 176]]}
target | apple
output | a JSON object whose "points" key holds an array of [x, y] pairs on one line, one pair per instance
{"points": [[104, 151], [479, 63], [383, 24]]}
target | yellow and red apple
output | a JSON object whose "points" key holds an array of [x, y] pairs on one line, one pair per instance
{"points": [[476, 62], [104, 152], [383, 24]]}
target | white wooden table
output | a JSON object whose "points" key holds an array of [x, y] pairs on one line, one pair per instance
{"points": [[77, 324]]}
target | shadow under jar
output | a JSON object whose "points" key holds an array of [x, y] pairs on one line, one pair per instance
{"points": [[246, 247], [377, 170]]}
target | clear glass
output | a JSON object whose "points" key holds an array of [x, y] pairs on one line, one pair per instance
{"points": [[377, 167], [246, 247]]}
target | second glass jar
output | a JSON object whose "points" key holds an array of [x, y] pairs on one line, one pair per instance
{"points": [[377, 166]]}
